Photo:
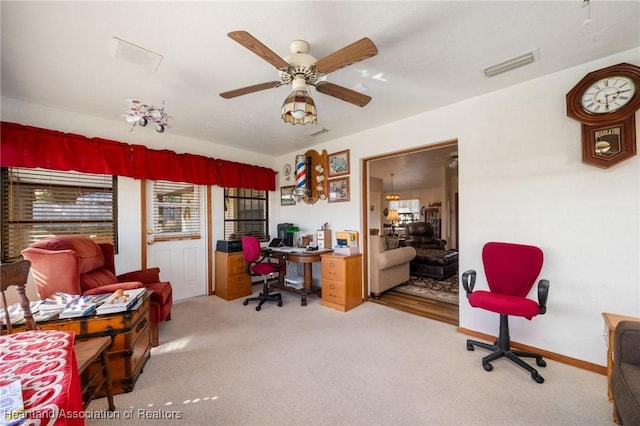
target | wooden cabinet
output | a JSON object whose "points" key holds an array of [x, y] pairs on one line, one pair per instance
{"points": [[232, 280], [341, 281]]}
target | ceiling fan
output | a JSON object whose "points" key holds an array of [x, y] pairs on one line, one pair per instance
{"points": [[302, 69]]}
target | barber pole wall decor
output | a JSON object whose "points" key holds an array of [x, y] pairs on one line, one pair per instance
{"points": [[301, 176]]}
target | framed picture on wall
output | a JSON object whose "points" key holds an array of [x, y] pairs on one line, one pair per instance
{"points": [[286, 196], [339, 190], [339, 163]]}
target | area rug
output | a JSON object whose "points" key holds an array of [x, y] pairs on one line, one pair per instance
{"points": [[429, 288]]}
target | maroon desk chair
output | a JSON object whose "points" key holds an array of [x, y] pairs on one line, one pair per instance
{"points": [[257, 265], [511, 270]]}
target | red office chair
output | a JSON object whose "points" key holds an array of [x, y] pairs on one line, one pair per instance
{"points": [[257, 266], [511, 271]]}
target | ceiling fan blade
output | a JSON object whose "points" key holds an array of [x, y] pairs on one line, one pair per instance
{"points": [[343, 93], [355, 52], [250, 89], [254, 45]]}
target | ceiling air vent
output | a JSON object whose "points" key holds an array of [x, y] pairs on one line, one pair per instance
{"points": [[511, 64], [317, 132], [129, 52]]}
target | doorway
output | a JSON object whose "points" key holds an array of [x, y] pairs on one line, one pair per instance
{"points": [[425, 179], [175, 224]]}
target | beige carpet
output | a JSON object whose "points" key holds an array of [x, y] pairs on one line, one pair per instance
{"points": [[222, 363]]}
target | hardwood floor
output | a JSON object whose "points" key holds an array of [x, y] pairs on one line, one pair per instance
{"points": [[440, 311]]}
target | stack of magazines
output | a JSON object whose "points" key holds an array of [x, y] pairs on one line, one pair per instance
{"points": [[71, 305], [58, 301], [120, 301], [16, 314]]}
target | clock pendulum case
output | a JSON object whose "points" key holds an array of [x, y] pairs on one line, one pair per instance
{"points": [[605, 102]]}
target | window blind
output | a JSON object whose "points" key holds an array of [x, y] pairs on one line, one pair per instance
{"points": [[39, 203], [176, 210], [246, 212]]}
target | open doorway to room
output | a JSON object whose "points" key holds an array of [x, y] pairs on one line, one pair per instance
{"points": [[406, 191]]}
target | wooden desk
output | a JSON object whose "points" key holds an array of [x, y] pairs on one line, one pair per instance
{"points": [[610, 322], [298, 255]]}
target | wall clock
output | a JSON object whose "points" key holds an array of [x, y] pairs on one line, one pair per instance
{"points": [[286, 170], [605, 102]]}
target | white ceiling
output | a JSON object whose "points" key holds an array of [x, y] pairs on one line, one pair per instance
{"points": [[415, 171], [431, 54]]}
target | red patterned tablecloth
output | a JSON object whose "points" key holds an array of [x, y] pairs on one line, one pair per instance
{"points": [[45, 363]]}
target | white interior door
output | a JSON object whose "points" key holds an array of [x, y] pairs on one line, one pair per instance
{"points": [[176, 236]]}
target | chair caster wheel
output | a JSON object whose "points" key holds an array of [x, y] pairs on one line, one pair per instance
{"points": [[469, 347], [487, 367], [538, 378], [258, 308], [245, 303], [280, 304], [541, 362]]}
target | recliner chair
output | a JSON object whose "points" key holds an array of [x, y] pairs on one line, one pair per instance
{"points": [[76, 264], [511, 271], [257, 266], [422, 236]]}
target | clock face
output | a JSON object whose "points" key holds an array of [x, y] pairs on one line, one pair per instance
{"points": [[608, 94], [286, 169]]}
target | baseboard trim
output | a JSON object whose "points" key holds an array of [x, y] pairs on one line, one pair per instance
{"points": [[546, 354]]}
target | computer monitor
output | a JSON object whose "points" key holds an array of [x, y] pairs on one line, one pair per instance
{"points": [[287, 237]]}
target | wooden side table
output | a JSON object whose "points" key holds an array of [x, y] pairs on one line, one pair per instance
{"points": [[610, 323]]}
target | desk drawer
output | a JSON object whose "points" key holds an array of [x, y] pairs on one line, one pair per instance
{"points": [[333, 269], [239, 285], [236, 264], [334, 291]]}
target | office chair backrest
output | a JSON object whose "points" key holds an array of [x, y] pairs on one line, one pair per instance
{"points": [[511, 269], [16, 274], [250, 248]]}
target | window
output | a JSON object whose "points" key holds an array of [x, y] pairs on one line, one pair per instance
{"points": [[408, 210], [246, 212], [39, 203], [176, 210]]}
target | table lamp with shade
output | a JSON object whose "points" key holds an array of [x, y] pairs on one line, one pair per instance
{"points": [[393, 218]]}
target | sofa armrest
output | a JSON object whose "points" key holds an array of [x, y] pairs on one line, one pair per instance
{"points": [[627, 342], [145, 276], [398, 256]]}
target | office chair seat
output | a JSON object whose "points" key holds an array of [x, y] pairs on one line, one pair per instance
{"points": [[504, 304]]}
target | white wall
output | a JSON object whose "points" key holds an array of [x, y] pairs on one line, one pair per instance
{"points": [[521, 180]]}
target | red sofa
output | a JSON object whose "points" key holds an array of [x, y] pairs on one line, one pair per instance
{"points": [[78, 265]]}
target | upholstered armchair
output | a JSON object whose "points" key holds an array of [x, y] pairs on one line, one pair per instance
{"points": [[421, 235], [625, 377], [389, 264], [78, 265]]}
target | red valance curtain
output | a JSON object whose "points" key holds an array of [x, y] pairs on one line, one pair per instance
{"points": [[26, 146]]}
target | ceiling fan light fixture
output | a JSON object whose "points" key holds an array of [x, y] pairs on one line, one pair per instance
{"points": [[299, 108]]}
